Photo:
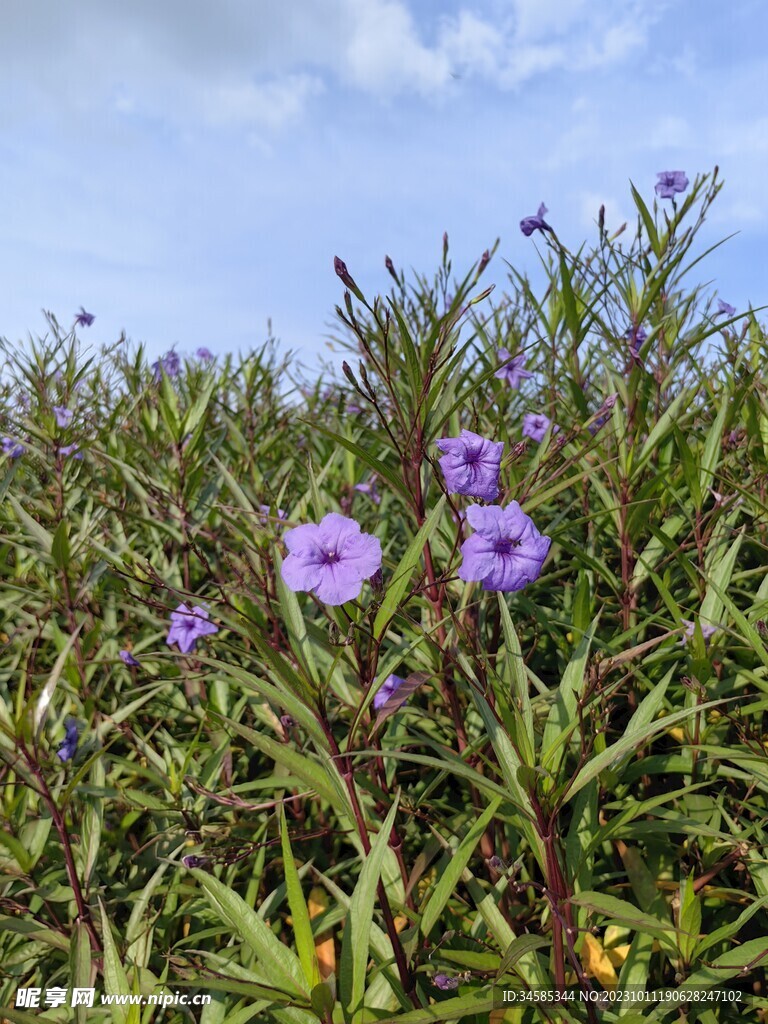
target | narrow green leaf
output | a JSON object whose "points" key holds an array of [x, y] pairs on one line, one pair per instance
{"points": [[276, 961], [402, 574]]}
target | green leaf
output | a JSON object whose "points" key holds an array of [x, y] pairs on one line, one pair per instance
{"points": [[115, 981], [451, 876], [357, 927], [276, 962], [302, 928], [402, 574]]}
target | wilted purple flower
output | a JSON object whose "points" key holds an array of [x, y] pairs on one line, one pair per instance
{"points": [[187, 626], [506, 552], [63, 415], [83, 319], [67, 749], [725, 309], [170, 364], [73, 450], [191, 860], [266, 513], [530, 224], [445, 982], [471, 465], [390, 686], [536, 425], [333, 558], [129, 659], [12, 448], [637, 337], [370, 489], [670, 182], [690, 629], [512, 369]]}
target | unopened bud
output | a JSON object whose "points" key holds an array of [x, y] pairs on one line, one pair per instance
{"points": [[377, 583], [390, 267], [334, 635], [485, 259], [341, 271], [346, 369], [287, 722], [611, 401]]}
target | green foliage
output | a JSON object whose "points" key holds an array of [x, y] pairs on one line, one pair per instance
{"points": [[573, 794]]}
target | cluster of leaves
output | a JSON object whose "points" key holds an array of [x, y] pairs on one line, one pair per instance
{"points": [[574, 794]]}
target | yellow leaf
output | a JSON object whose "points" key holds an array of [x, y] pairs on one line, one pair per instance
{"points": [[596, 963], [618, 954], [325, 950]]}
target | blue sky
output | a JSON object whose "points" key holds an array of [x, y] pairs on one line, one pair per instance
{"points": [[187, 170]]}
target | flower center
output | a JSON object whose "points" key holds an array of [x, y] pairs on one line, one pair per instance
{"points": [[331, 557]]}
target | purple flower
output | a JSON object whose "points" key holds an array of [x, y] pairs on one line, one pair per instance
{"points": [[332, 558], [169, 364], [12, 448], [506, 552], [73, 450], [390, 686], [536, 425], [129, 659], [690, 629], [187, 626], [67, 749], [513, 369], [671, 182], [205, 353], [637, 337], [370, 489], [471, 465], [530, 224], [445, 982], [83, 319], [725, 309], [63, 415]]}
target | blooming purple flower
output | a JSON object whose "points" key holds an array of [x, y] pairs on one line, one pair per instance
{"points": [[370, 489], [506, 552], [536, 425], [68, 747], [333, 558], [390, 686], [471, 465], [725, 309], [671, 182], [512, 369], [12, 448], [83, 319], [530, 224], [169, 364], [129, 659], [187, 626], [445, 982], [73, 450], [205, 354], [707, 631], [63, 415]]}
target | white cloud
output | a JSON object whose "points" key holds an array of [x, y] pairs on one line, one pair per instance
{"points": [[262, 64]]}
